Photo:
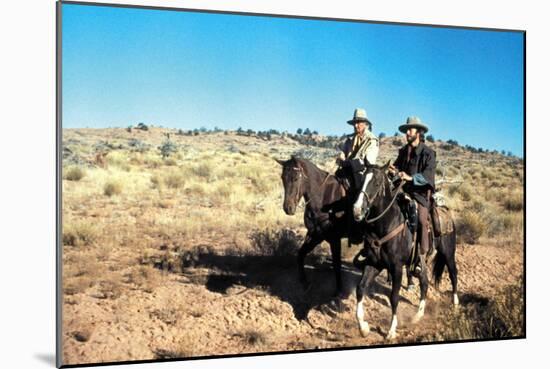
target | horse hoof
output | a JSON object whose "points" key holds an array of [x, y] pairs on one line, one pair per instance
{"points": [[417, 318], [391, 336], [455, 300], [364, 329], [335, 305]]}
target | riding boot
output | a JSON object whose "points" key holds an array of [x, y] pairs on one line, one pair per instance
{"points": [[420, 264], [412, 216]]}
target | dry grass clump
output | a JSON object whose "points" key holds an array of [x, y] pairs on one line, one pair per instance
{"points": [[262, 185], [73, 286], [174, 179], [168, 315], [74, 173], [144, 278], [151, 160], [465, 191], [183, 347], [279, 243], [156, 181], [204, 170], [470, 227], [275, 242], [497, 318], [505, 223], [112, 187], [197, 189], [118, 159], [252, 337], [513, 201], [170, 162], [110, 287], [79, 234]]}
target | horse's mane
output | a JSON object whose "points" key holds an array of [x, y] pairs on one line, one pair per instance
{"points": [[307, 163]]}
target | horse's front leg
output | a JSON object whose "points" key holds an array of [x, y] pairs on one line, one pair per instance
{"points": [[410, 281], [309, 244], [336, 251], [369, 273], [397, 276]]}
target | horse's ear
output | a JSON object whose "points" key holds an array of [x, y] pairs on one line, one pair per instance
{"points": [[282, 162]]}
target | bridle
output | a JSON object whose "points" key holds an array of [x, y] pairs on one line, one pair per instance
{"points": [[374, 241], [376, 194], [301, 174]]}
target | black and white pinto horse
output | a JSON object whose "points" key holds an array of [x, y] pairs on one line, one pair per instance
{"points": [[389, 245]]}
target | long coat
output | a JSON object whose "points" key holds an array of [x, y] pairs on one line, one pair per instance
{"points": [[420, 165], [366, 151]]}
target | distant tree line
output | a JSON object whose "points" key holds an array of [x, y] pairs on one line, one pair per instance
{"points": [[306, 136]]}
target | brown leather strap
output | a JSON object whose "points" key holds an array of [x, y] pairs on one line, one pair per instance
{"points": [[376, 243]]}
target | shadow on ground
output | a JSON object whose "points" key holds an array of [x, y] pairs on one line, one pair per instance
{"points": [[278, 275]]}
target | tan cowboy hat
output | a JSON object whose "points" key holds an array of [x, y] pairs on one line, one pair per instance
{"points": [[413, 122], [359, 115]]}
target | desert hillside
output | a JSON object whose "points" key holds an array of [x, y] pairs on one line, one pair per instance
{"points": [[175, 244]]}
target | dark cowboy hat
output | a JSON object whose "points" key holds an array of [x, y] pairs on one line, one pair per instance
{"points": [[413, 122], [359, 115]]}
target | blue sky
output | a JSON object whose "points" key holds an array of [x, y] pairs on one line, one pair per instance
{"points": [[187, 70]]}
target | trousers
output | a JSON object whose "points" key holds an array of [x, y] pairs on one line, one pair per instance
{"points": [[423, 227]]}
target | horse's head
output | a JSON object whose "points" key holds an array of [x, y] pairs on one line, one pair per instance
{"points": [[294, 178], [373, 187]]}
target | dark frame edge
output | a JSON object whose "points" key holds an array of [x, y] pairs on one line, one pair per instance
{"points": [[214, 11], [309, 351], [525, 184], [59, 289], [58, 186]]}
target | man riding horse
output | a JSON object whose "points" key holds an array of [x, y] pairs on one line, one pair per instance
{"points": [[356, 151], [416, 164], [358, 148]]}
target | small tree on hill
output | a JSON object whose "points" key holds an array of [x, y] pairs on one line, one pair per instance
{"points": [[167, 148]]}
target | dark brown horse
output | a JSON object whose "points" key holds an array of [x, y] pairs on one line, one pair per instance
{"points": [[390, 244], [324, 215]]}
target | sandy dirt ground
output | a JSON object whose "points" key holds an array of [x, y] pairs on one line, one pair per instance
{"points": [[221, 305]]}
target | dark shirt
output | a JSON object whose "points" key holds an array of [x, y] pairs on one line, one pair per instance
{"points": [[420, 164]]}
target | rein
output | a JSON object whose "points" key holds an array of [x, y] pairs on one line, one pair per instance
{"points": [[375, 242], [372, 220], [302, 173]]}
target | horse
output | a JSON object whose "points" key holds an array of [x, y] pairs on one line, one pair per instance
{"points": [[389, 245], [324, 215]]}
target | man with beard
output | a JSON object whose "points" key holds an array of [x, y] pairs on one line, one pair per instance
{"points": [[416, 165]]}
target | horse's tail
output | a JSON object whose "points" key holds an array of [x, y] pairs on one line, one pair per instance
{"points": [[445, 255]]}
